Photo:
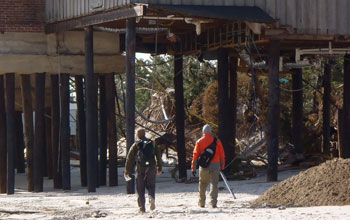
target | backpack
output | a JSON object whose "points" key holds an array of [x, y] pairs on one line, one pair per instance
{"points": [[145, 153], [207, 155]]}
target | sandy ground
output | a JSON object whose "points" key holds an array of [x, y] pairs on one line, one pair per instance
{"points": [[173, 201]]}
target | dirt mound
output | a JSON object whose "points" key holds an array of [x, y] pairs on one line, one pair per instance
{"points": [[326, 184]]}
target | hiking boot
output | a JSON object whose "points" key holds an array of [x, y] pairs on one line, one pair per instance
{"points": [[201, 205], [152, 204], [213, 206], [142, 211]]}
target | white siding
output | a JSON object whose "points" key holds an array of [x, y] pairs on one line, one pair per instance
{"points": [[304, 16]]}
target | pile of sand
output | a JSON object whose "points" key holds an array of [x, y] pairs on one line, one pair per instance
{"points": [[326, 184]]}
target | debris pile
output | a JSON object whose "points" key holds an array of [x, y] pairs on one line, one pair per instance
{"points": [[324, 185]]}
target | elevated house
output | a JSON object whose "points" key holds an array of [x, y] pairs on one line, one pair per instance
{"points": [[270, 36]]}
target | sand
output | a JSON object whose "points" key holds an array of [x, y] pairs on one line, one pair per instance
{"points": [[173, 201]]}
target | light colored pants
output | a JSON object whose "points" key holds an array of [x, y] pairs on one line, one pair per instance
{"points": [[205, 177]]}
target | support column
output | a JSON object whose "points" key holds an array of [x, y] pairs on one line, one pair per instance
{"points": [[180, 116], [130, 47], [39, 140], [48, 139], [10, 131], [297, 114], [55, 115], [19, 158], [223, 99], [3, 147], [91, 112], [345, 151], [112, 130], [232, 120], [103, 132], [273, 110], [27, 103], [65, 131], [81, 128], [326, 108]]}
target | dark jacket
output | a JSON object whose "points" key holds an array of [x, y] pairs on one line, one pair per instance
{"points": [[131, 159]]}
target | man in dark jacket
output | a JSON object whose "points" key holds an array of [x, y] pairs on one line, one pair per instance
{"points": [[146, 169]]}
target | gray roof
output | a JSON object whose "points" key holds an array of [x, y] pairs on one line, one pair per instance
{"points": [[234, 13]]}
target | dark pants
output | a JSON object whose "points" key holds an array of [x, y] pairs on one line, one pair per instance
{"points": [[145, 180]]}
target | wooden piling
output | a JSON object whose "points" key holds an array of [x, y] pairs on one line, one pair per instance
{"points": [[55, 115], [232, 111], [297, 112], [103, 132], [180, 116], [39, 140], [130, 47], [19, 158], [10, 131], [326, 109], [346, 109], [48, 144], [111, 130], [27, 103], [3, 146], [91, 112], [81, 128], [273, 110], [65, 131]]}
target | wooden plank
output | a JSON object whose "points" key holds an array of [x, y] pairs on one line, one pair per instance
{"points": [[28, 127], [112, 130], [10, 131], [81, 125], [91, 113], [342, 12], [297, 111], [55, 114], [180, 116], [38, 152], [273, 110], [19, 153], [346, 109], [65, 131], [103, 131], [48, 143], [3, 147], [322, 17], [130, 46]]}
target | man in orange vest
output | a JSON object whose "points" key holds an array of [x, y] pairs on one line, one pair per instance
{"points": [[212, 172]]}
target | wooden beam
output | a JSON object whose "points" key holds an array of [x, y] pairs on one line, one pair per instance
{"points": [[326, 109], [273, 110], [180, 116], [65, 131], [81, 125], [28, 127], [346, 109], [10, 131], [3, 148], [130, 42], [54, 64], [91, 113], [55, 115], [19, 158], [97, 18], [38, 153], [297, 112], [103, 131], [111, 130]]}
